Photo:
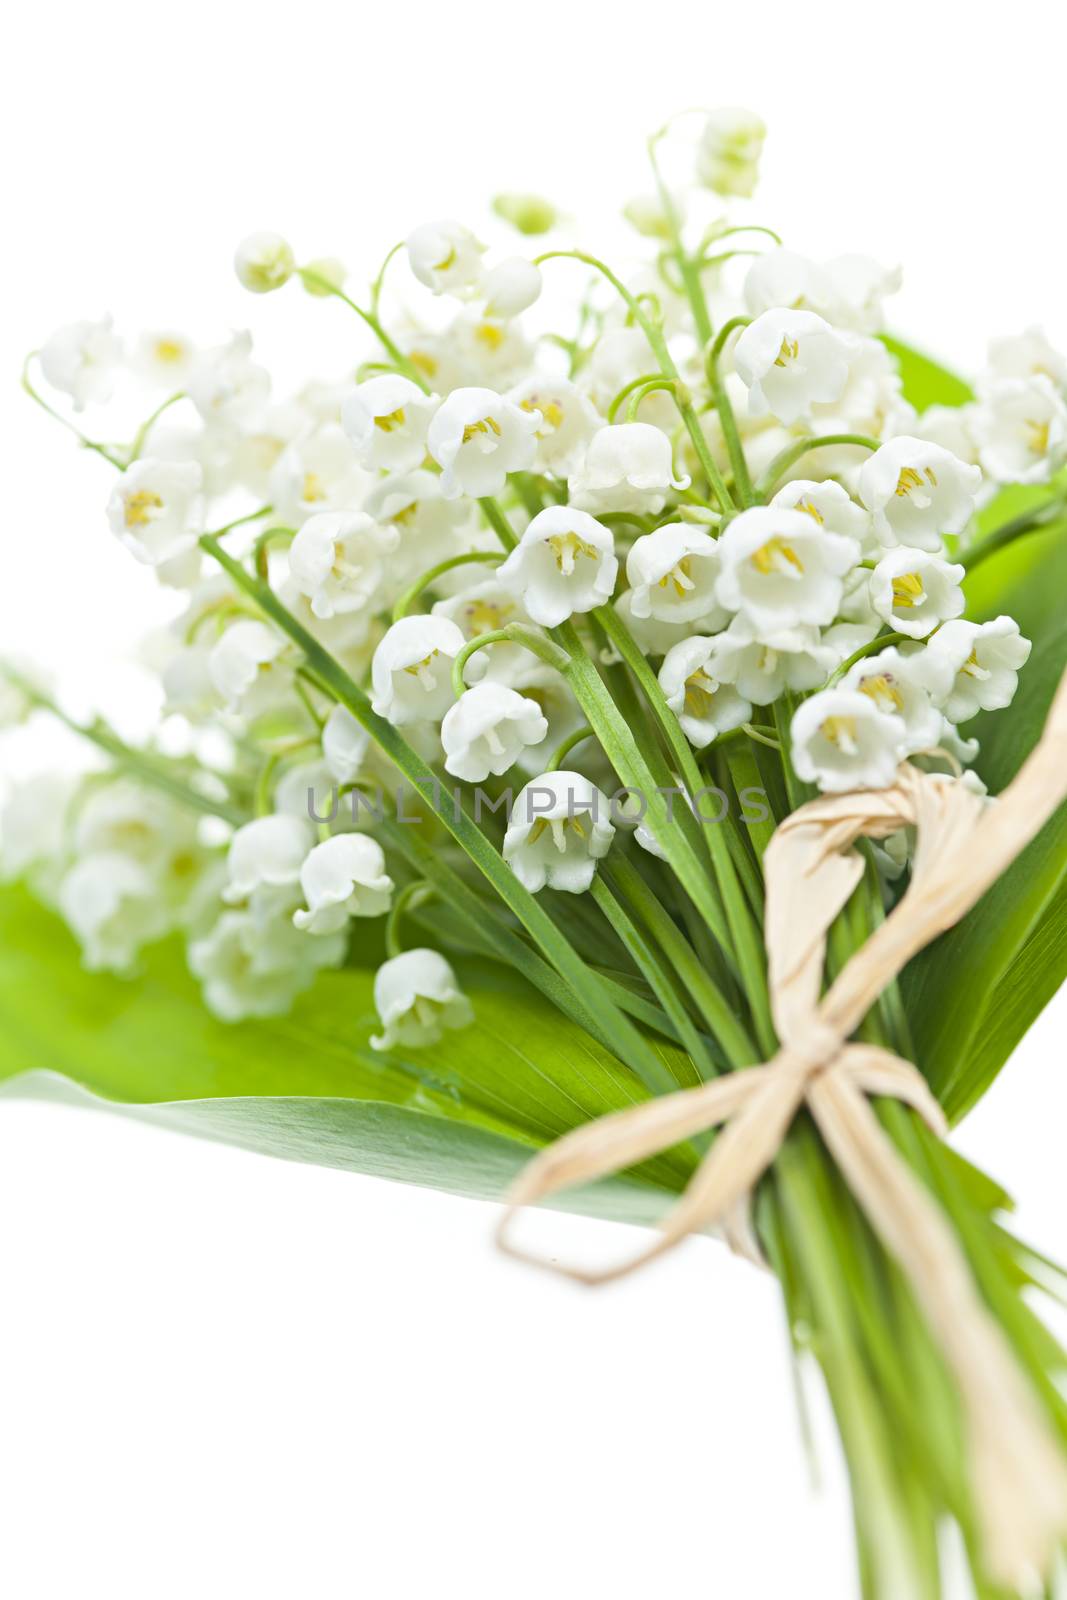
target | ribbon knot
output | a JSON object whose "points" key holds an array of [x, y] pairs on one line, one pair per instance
{"points": [[810, 869]]}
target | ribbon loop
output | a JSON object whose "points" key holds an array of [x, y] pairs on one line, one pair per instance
{"points": [[962, 846]]}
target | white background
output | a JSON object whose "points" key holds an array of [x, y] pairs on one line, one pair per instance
{"points": [[228, 1377]]}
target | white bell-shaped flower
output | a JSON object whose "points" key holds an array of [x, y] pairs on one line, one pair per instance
{"points": [[386, 419], [917, 491], [791, 361], [843, 740], [81, 360], [653, 636], [247, 666], [430, 527], [226, 385], [730, 147], [345, 743], [446, 257], [477, 437], [901, 685], [950, 427], [780, 569], [487, 730], [113, 908], [511, 287], [266, 854], [761, 672], [857, 286], [154, 509], [316, 473], [830, 505], [628, 466], [672, 574], [913, 590], [412, 667], [983, 660], [337, 560], [1027, 355], [780, 280], [565, 563], [704, 704], [417, 997], [560, 826], [1020, 430], [566, 421], [252, 966], [343, 877], [163, 357], [264, 261]]}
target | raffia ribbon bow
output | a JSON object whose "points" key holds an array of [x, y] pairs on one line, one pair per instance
{"points": [[963, 845]]}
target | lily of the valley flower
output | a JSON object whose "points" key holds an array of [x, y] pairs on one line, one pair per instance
{"points": [[488, 729], [780, 569], [1020, 429], [901, 685], [566, 421], [344, 745], [705, 706], [337, 560], [153, 509], [266, 854], [791, 361], [246, 666], [113, 908], [983, 661], [760, 672], [386, 419], [1029, 354], [264, 261], [672, 574], [417, 997], [913, 590], [917, 491], [477, 437], [226, 385], [315, 473], [731, 144], [255, 966], [343, 877], [446, 257], [559, 829], [830, 505], [842, 739], [80, 360], [511, 287], [564, 564], [411, 670], [628, 466]]}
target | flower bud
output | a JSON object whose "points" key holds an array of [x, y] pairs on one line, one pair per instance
{"points": [[264, 261]]}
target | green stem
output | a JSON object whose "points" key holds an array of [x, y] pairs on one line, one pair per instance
{"points": [[410, 896], [791, 455], [728, 423], [409, 596], [263, 542], [607, 1019], [396, 355], [514, 633], [498, 522], [150, 769], [1035, 521], [882, 642], [147, 425], [627, 389], [65, 422], [656, 973], [721, 1020], [563, 750], [658, 343]]}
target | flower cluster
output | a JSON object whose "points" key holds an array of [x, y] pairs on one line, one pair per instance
{"points": [[492, 525]]}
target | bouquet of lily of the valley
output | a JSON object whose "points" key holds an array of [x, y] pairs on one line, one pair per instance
{"points": [[583, 772]]}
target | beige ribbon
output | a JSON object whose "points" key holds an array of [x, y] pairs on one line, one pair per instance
{"points": [[963, 845]]}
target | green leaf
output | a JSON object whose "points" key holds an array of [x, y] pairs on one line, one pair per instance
{"points": [[972, 994], [926, 381], [463, 1116]]}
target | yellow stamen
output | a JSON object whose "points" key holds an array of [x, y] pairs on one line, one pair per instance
{"points": [[909, 479], [882, 689], [424, 362], [700, 690], [391, 420], [908, 591], [446, 261], [681, 578], [313, 489], [788, 351], [567, 547], [169, 350], [490, 334], [775, 556], [812, 510], [487, 425], [1038, 436], [841, 731], [140, 506], [485, 616]]}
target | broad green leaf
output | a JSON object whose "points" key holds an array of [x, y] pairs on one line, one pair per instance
{"points": [[926, 382], [972, 995], [462, 1116]]}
